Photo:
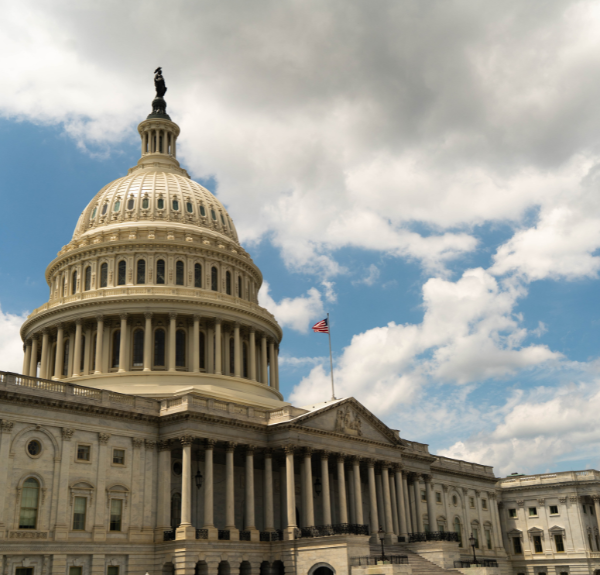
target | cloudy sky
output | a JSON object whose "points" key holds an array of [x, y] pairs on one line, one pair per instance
{"points": [[428, 172]]}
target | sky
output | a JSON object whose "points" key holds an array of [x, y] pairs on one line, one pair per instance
{"points": [[427, 172]]}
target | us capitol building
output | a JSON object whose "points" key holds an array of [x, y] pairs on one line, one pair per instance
{"points": [[147, 433]]}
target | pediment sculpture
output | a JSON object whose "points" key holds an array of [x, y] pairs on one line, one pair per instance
{"points": [[348, 421]]}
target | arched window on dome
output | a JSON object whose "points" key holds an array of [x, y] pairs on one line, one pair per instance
{"points": [[240, 293], [159, 348], [202, 211], [116, 348], [231, 356], [121, 273], [202, 350], [160, 272], [223, 221], [245, 360], [30, 496], [213, 214], [66, 357], [138, 348], [214, 279], [145, 203], [228, 283], [130, 203], [88, 278], [175, 204], [141, 272], [117, 206], [189, 207], [179, 273], [104, 275], [104, 208], [180, 348], [197, 275], [74, 283], [160, 204]]}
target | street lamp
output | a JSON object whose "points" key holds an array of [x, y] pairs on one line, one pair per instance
{"points": [[381, 535], [318, 486], [472, 542], [198, 478]]}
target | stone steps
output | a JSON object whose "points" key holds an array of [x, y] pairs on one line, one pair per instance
{"points": [[419, 565]]}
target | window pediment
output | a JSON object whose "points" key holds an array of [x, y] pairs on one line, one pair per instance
{"points": [[515, 533], [557, 530]]}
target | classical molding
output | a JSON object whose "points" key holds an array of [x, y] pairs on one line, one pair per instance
{"points": [[6, 426], [164, 445], [137, 442], [150, 444], [103, 438], [67, 433], [186, 440]]}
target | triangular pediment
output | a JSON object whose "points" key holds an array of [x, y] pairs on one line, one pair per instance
{"points": [[351, 419]]}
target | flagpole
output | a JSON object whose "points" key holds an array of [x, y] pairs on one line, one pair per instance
{"points": [[330, 358]]}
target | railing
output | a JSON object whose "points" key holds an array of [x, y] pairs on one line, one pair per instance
{"points": [[376, 559], [169, 535], [482, 563], [433, 536], [340, 529], [224, 534], [201, 533], [244, 535], [271, 535]]}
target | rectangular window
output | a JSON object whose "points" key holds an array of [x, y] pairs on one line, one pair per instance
{"points": [[533, 512], [113, 570], [83, 453], [423, 496], [560, 548], [472, 502], [476, 536], [116, 511], [553, 509], [24, 571], [584, 508], [512, 513], [537, 544], [488, 538], [74, 570], [119, 456], [517, 545], [426, 526], [79, 507], [438, 497], [441, 527], [484, 503]]}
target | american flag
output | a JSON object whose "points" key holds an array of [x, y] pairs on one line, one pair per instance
{"points": [[321, 326]]}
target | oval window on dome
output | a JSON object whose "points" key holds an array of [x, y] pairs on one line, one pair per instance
{"points": [[104, 208], [130, 203], [160, 204], [189, 207], [117, 206], [214, 216], [145, 203], [175, 205], [94, 213], [202, 211], [222, 220]]}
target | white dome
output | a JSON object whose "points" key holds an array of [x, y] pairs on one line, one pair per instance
{"points": [[159, 198]]}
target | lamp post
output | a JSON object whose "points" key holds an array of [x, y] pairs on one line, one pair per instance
{"points": [[318, 486], [472, 542], [198, 481], [381, 535]]}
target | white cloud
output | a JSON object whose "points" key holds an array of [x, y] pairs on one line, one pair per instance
{"points": [[295, 313], [371, 277], [11, 346]]}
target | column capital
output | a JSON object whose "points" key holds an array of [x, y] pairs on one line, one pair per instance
{"points": [[210, 443], [268, 453], [595, 498], [103, 438], [197, 317], [172, 315], [237, 324], [124, 316], [150, 444], [45, 331], [99, 317], [427, 478], [252, 330], [78, 321], [249, 449], [308, 451], [341, 457], [231, 445], [148, 314], [541, 501], [6, 426], [492, 495], [385, 465], [398, 468], [447, 487], [289, 449], [164, 445], [137, 442], [218, 321], [186, 439], [325, 455]]}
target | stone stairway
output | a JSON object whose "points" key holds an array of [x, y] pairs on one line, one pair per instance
{"points": [[419, 565]]}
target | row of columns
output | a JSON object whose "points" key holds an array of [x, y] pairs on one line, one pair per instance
{"points": [[151, 142], [266, 372]]}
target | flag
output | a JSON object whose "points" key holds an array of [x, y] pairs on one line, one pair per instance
{"points": [[321, 326]]}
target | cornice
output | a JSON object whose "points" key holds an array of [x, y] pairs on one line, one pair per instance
{"points": [[551, 486]]}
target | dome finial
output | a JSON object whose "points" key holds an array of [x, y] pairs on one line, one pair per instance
{"points": [[159, 106]]}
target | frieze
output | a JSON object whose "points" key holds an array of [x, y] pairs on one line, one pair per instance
{"points": [[28, 535]]}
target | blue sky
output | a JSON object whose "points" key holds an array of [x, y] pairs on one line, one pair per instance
{"points": [[427, 173]]}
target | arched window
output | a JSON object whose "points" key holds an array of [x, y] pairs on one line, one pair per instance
{"points": [[116, 347], [179, 273], [180, 348], [122, 272], [66, 358], [88, 278], [160, 272], [74, 283], [160, 204], [145, 204], [141, 272], [240, 294], [198, 276], [202, 350], [130, 203], [458, 530], [104, 275], [245, 360], [214, 279], [175, 205], [159, 348], [228, 283], [231, 356], [138, 348], [30, 496], [175, 510]]}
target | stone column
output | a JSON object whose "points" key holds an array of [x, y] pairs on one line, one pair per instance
{"points": [[282, 494], [409, 524], [6, 429], [467, 523], [61, 528], [379, 495], [60, 352], [172, 340], [230, 493], [148, 341], [268, 492], [387, 502], [291, 494], [209, 487], [394, 502], [272, 363], [99, 339], [326, 490], [163, 506], [497, 526], [123, 344], [99, 533], [431, 503], [77, 350], [357, 491], [185, 529], [252, 354], [196, 345], [308, 488], [276, 367], [87, 349], [418, 511], [237, 355], [34, 357], [402, 529], [264, 375], [373, 497], [26, 358], [250, 516], [44, 362], [218, 339], [342, 489], [210, 350], [482, 543]]}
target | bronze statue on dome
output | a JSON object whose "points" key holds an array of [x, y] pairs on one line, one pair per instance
{"points": [[159, 106], [159, 83]]}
